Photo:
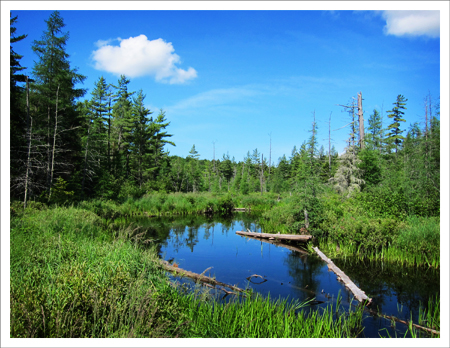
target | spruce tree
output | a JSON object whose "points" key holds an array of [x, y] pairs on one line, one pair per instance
{"points": [[19, 119], [395, 133], [56, 94], [121, 128], [140, 139], [158, 141], [374, 134]]}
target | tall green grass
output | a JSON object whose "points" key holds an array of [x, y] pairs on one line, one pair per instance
{"points": [[265, 318], [415, 242], [162, 204]]}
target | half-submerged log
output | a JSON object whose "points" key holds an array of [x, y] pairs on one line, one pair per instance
{"points": [[278, 237], [199, 277], [341, 276], [278, 243]]}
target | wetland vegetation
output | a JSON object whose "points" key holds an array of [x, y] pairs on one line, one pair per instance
{"points": [[90, 179]]}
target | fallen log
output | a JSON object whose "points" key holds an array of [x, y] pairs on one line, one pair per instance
{"points": [[341, 276], [199, 277], [241, 209], [293, 237], [275, 242], [427, 329]]}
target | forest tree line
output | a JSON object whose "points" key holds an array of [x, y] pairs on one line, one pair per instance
{"points": [[111, 146]]}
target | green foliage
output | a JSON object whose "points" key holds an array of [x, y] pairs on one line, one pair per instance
{"points": [[366, 233], [370, 166], [289, 215], [383, 201], [60, 194], [421, 236]]}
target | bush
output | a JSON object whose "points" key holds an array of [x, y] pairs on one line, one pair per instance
{"points": [[367, 233], [289, 213]]}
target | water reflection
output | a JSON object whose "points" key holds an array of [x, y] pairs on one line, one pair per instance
{"points": [[199, 242], [395, 290]]}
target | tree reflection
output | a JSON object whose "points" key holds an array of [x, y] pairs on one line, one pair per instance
{"points": [[304, 271], [411, 286]]}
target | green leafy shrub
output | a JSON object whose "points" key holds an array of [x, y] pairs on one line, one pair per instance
{"points": [[367, 233]]}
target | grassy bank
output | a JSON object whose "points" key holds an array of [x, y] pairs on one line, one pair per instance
{"points": [[162, 204], [73, 276]]}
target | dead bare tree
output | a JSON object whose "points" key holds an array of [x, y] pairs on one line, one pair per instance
{"points": [[360, 121]]}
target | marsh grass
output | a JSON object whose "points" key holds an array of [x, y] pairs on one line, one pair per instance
{"points": [[72, 275], [260, 317]]}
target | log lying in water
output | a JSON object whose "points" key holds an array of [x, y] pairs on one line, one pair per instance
{"points": [[287, 246], [341, 276], [241, 209], [200, 277], [278, 237]]}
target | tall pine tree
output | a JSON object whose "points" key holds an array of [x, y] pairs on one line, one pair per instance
{"points": [[395, 137], [56, 94]]}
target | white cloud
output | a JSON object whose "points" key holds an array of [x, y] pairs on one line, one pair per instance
{"points": [[412, 23], [138, 56]]}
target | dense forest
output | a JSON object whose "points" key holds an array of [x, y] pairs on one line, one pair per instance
{"points": [[78, 161], [68, 145]]}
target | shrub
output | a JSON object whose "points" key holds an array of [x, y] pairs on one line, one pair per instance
{"points": [[368, 233]]}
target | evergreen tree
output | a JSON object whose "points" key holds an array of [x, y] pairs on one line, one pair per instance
{"points": [[56, 94], [19, 120], [226, 169], [141, 134], [121, 128], [158, 141], [374, 135], [193, 153], [395, 133]]}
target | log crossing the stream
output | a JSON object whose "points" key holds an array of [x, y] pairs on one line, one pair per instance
{"points": [[278, 237], [341, 276]]}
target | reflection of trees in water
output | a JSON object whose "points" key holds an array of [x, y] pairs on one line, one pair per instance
{"points": [[181, 231], [412, 286], [303, 270], [192, 237]]}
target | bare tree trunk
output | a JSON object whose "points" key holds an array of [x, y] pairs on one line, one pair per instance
{"points": [[214, 156], [361, 121], [262, 174], [329, 145], [270, 153], [29, 130], [85, 158], [306, 219], [109, 135], [48, 148], [54, 145]]}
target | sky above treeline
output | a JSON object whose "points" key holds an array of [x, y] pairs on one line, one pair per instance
{"points": [[231, 81]]}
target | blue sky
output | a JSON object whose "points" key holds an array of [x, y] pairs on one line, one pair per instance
{"points": [[239, 79]]}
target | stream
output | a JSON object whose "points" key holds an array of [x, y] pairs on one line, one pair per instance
{"points": [[196, 243]]}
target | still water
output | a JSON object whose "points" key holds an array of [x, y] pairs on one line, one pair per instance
{"points": [[196, 243]]}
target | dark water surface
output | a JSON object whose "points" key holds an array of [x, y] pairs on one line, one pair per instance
{"points": [[196, 243]]}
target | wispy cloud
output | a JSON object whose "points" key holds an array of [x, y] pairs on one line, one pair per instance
{"points": [[216, 98], [412, 23], [138, 56]]}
